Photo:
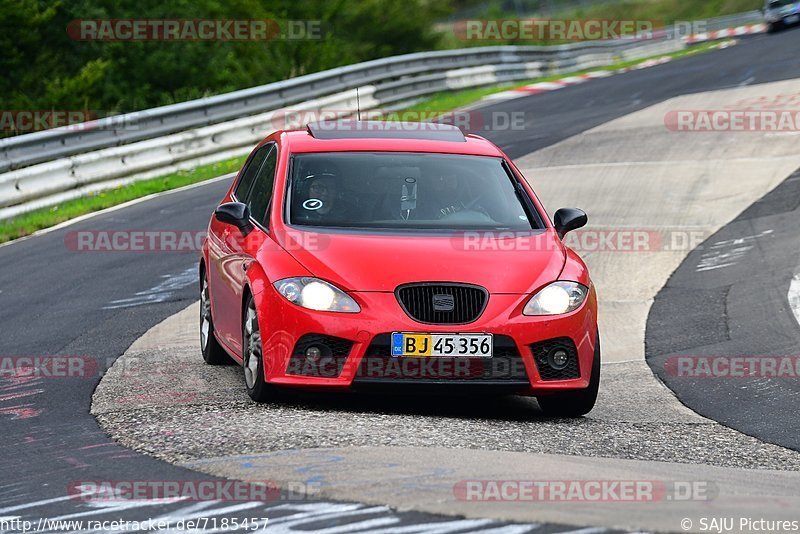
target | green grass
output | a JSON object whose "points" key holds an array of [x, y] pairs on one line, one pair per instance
{"points": [[30, 222], [439, 103]]}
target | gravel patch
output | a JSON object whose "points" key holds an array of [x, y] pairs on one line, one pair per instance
{"points": [[161, 399]]}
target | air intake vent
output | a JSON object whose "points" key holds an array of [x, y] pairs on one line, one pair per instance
{"points": [[436, 303], [543, 353]]}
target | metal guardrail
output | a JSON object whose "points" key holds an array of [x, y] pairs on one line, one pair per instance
{"points": [[37, 147], [731, 21], [49, 163], [29, 149]]}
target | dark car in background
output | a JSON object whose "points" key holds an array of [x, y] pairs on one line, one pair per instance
{"points": [[780, 14]]}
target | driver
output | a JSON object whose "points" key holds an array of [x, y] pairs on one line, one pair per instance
{"points": [[448, 194], [324, 190], [441, 196], [323, 200]]}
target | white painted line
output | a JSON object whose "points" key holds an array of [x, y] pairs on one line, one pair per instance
{"points": [[158, 293], [570, 80], [505, 95], [511, 529], [35, 504], [599, 74], [794, 296], [542, 86], [119, 207], [369, 525]]}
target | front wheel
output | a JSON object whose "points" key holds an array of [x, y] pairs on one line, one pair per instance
{"points": [[575, 403], [213, 353], [253, 355]]}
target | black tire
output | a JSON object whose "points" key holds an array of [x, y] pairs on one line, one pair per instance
{"points": [[773, 27], [212, 351], [575, 403], [252, 355]]}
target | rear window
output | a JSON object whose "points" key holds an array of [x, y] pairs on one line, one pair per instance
{"points": [[397, 191]]}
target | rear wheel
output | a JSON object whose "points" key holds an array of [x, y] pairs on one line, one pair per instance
{"points": [[213, 353], [575, 403], [252, 354]]}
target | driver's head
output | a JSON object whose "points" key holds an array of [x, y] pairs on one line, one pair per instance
{"points": [[321, 169], [445, 180], [322, 178], [322, 187]]}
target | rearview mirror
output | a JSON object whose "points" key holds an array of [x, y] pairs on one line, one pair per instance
{"points": [[568, 219], [235, 213]]}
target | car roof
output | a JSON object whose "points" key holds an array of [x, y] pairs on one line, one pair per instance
{"points": [[356, 129], [376, 136]]}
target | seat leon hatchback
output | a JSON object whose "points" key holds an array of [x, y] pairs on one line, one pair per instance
{"points": [[350, 255]]}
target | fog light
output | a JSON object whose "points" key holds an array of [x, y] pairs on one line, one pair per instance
{"points": [[558, 359], [313, 353]]}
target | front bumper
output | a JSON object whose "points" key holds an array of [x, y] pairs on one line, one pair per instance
{"points": [[787, 18], [360, 344]]}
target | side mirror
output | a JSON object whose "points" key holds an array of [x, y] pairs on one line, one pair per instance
{"points": [[235, 213], [568, 219]]}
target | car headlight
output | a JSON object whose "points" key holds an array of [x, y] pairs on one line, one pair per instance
{"points": [[316, 294], [557, 298]]}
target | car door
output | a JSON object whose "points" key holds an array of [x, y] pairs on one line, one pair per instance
{"points": [[259, 201], [227, 258]]}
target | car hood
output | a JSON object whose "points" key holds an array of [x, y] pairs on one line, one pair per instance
{"points": [[502, 263]]}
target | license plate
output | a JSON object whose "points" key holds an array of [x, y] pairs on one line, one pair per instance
{"points": [[792, 19], [441, 345]]}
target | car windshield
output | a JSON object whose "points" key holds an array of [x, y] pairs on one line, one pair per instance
{"points": [[775, 4], [396, 191]]}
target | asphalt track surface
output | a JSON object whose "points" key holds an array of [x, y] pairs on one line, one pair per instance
{"points": [[54, 301], [735, 285]]}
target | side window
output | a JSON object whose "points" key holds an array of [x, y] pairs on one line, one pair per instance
{"points": [[261, 194], [246, 181]]}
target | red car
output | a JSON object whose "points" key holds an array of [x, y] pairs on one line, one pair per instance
{"points": [[360, 254]]}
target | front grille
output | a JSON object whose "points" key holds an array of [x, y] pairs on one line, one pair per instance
{"points": [[505, 367], [442, 303], [541, 351], [334, 352]]}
